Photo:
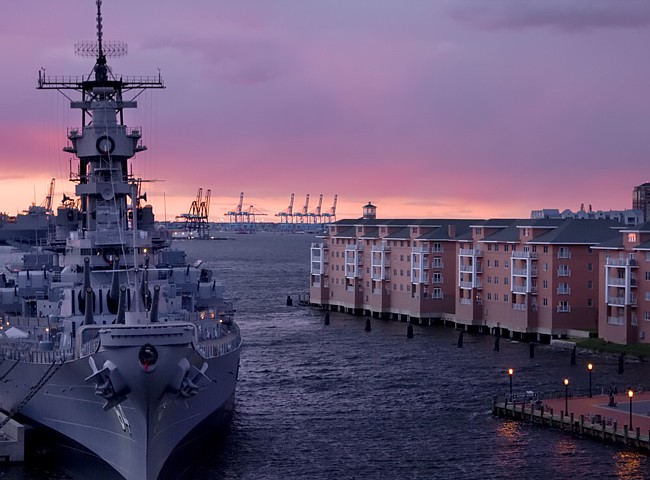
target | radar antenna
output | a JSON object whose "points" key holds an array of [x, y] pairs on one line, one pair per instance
{"points": [[100, 49]]}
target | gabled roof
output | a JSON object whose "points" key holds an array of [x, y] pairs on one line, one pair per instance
{"points": [[347, 233], [508, 234], [581, 231], [462, 227], [402, 234]]}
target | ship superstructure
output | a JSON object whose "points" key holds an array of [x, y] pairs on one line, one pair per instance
{"points": [[118, 343]]}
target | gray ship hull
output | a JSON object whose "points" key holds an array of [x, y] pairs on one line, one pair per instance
{"points": [[136, 436]]}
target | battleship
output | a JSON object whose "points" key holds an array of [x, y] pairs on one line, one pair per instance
{"points": [[111, 341]]}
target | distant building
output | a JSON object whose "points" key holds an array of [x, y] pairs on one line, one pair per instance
{"points": [[641, 200], [627, 217]]}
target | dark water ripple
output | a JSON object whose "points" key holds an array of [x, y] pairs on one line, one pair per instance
{"points": [[336, 402]]}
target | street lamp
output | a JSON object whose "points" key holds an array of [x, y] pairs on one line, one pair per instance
{"points": [[566, 396], [510, 373], [630, 394], [590, 367]]}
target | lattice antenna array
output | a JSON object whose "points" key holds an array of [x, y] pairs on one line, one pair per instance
{"points": [[100, 49]]}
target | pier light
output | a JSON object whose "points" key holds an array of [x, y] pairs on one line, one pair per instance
{"points": [[510, 374], [630, 393], [566, 396], [590, 367]]}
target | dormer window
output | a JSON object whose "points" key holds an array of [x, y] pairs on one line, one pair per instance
{"points": [[631, 237]]}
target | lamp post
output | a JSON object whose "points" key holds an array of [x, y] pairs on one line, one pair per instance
{"points": [[590, 367], [630, 394], [511, 373], [566, 396]]}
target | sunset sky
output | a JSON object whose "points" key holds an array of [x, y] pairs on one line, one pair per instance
{"points": [[427, 108]]}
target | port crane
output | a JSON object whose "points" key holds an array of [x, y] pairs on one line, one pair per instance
{"points": [[304, 213], [47, 202], [237, 215], [330, 216], [315, 216], [286, 216], [196, 219]]}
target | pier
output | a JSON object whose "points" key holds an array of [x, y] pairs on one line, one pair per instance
{"points": [[620, 422]]}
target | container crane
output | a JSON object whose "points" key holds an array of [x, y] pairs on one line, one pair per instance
{"points": [[287, 213], [330, 216], [237, 215], [196, 219], [47, 202], [316, 216], [304, 213]]}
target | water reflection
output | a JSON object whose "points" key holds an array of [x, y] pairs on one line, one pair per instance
{"points": [[631, 466]]}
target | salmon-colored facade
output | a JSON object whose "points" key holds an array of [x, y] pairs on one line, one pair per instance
{"points": [[624, 316], [530, 279]]}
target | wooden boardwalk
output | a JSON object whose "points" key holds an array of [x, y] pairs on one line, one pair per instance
{"points": [[591, 417]]}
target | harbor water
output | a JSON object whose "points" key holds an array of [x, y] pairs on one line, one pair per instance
{"points": [[333, 401]]}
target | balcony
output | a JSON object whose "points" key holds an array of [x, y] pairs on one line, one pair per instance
{"points": [[616, 320], [616, 282], [518, 254], [420, 250], [465, 301], [621, 301], [467, 268], [563, 272], [519, 306], [381, 248], [564, 290], [563, 309], [523, 272], [621, 262], [471, 252]]}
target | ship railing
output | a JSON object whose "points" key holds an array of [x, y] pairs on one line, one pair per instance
{"points": [[35, 355], [221, 348]]}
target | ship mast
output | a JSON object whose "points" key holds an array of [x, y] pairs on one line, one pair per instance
{"points": [[104, 144]]}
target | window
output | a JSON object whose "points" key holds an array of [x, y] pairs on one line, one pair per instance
{"points": [[590, 284], [478, 231], [496, 297], [646, 316], [496, 263], [647, 275], [506, 247], [590, 267], [545, 284], [437, 277], [526, 232], [437, 262], [489, 247], [545, 267], [496, 247], [563, 306], [506, 264], [631, 237], [563, 271], [505, 297], [496, 280], [545, 302], [647, 296], [489, 296], [489, 279], [505, 280], [489, 263], [437, 293], [437, 247], [545, 248], [590, 302], [563, 252]]}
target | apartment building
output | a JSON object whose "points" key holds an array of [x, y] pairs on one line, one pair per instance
{"points": [[624, 313], [531, 278]]}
